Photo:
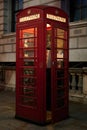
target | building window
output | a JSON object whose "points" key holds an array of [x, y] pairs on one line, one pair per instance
{"points": [[78, 10], [17, 5], [11, 9], [65, 5]]}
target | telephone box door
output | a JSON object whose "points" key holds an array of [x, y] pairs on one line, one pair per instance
{"points": [[59, 73], [28, 90]]}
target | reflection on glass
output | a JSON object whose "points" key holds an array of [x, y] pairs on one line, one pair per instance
{"points": [[60, 63], [28, 53], [28, 62], [60, 43], [28, 81], [29, 71], [28, 91], [28, 33], [60, 53], [60, 33], [48, 39], [48, 58], [29, 42], [60, 58], [28, 37], [48, 46]]}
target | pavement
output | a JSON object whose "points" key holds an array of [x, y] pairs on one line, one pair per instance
{"points": [[77, 116]]}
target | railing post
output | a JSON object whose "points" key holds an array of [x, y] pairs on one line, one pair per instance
{"points": [[85, 80], [73, 83], [2, 77], [76, 80], [80, 83]]}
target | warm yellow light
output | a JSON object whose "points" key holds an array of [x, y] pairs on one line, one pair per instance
{"points": [[28, 18], [56, 18]]}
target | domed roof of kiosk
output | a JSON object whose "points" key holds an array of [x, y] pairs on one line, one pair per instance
{"points": [[43, 7]]}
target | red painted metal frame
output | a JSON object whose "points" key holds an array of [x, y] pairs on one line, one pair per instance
{"points": [[61, 112], [38, 114]]}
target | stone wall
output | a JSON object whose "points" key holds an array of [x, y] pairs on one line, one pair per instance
{"points": [[78, 42]]}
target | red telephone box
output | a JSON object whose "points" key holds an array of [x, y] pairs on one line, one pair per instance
{"points": [[42, 64]]}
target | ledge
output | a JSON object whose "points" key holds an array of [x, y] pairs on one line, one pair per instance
{"points": [[8, 35]]}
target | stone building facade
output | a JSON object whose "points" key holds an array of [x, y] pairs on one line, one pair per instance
{"points": [[77, 40], [8, 38]]}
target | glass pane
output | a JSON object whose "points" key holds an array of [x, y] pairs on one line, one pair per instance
{"points": [[77, 15], [16, 5], [60, 83], [29, 71], [48, 58], [28, 42], [60, 103], [60, 63], [60, 73], [78, 2], [28, 33], [60, 43], [20, 4], [28, 38], [84, 2], [28, 62], [60, 33], [48, 65], [84, 13], [48, 45], [28, 53], [29, 101], [28, 91], [28, 81], [60, 57], [60, 93], [60, 53]]}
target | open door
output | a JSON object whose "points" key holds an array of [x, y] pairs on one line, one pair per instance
{"points": [[56, 73], [59, 74], [48, 71], [57, 65]]}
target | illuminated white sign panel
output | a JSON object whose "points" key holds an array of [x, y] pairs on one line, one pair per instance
{"points": [[56, 18], [28, 18]]}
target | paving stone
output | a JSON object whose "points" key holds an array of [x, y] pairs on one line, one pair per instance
{"points": [[77, 116]]}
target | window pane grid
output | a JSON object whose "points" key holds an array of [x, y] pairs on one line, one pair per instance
{"points": [[78, 10], [16, 6]]}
